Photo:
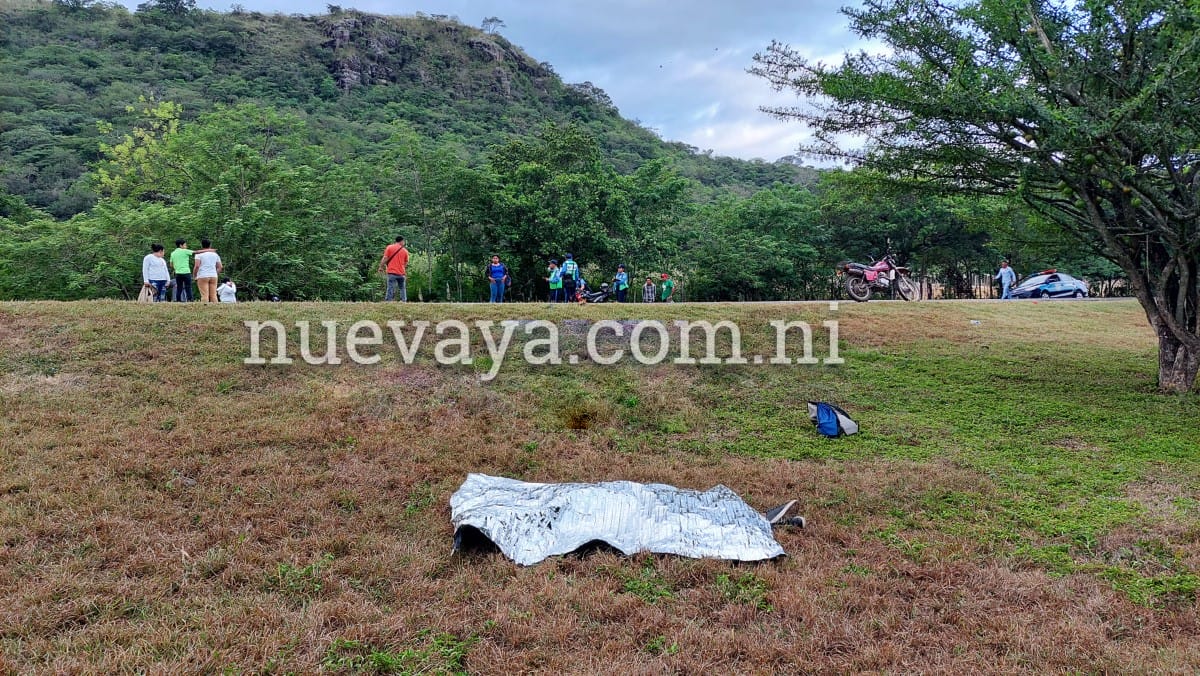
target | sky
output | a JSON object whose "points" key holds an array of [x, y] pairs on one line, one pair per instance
{"points": [[678, 67]]}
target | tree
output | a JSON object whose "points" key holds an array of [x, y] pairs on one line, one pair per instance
{"points": [[492, 24], [173, 7], [556, 194], [1084, 109], [282, 214], [74, 5]]}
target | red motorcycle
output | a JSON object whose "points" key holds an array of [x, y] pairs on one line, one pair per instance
{"points": [[882, 275]]}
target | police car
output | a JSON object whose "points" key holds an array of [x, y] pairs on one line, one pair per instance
{"points": [[1051, 284]]}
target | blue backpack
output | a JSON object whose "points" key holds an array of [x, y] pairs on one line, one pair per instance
{"points": [[831, 420]]}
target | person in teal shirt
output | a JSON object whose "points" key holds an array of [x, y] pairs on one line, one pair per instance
{"points": [[181, 266], [556, 282], [621, 283]]}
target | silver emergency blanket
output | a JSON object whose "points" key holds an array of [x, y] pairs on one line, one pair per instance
{"points": [[529, 522]]}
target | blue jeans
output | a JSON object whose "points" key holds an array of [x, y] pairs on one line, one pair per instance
{"points": [[183, 288], [497, 291], [160, 290], [394, 281]]}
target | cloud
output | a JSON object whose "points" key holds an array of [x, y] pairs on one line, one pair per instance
{"points": [[748, 138]]}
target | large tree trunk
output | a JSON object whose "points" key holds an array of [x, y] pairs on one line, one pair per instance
{"points": [[1177, 363], [1171, 307]]}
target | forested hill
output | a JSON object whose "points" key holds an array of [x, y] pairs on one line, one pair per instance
{"points": [[300, 145], [68, 64]]}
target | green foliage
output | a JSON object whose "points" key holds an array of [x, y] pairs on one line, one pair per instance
{"points": [[65, 65], [441, 653], [659, 646], [746, 588], [298, 583], [647, 584], [555, 194]]}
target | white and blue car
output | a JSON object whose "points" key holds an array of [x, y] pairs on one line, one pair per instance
{"points": [[1051, 284]]}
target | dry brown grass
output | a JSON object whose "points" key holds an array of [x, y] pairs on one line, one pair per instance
{"points": [[158, 509]]}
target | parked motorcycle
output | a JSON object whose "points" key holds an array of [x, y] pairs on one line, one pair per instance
{"points": [[884, 274], [604, 295]]}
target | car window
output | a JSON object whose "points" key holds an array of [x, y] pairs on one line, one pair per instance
{"points": [[1053, 279], [1036, 280]]}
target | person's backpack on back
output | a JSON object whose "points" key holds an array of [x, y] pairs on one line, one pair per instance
{"points": [[831, 420]]}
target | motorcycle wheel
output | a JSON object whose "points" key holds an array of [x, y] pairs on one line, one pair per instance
{"points": [[858, 288], [907, 289]]}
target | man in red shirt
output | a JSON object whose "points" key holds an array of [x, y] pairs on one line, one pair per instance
{"points": [[394, 263]]}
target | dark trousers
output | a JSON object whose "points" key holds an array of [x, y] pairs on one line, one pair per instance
{"points": [[556, 295], [183, 288], [569, 290], [621, 295], [395, 282]]}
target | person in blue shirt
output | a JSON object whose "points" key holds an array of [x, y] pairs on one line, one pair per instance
{"points": [[1007, 278], [556, 282], [570, 277], [497, 275], [621, 283]]}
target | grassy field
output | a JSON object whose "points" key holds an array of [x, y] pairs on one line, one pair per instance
{"points": [[1020, 498]]}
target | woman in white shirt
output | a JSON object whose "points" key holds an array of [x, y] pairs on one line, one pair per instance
{"points": [[154, 272], [207, 266], [227, 292]]}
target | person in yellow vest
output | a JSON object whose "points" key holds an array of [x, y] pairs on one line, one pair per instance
{"points": [[556, 282]]}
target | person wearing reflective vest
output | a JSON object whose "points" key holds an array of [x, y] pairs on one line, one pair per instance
{"points": [[570, 276], [556, 282]]}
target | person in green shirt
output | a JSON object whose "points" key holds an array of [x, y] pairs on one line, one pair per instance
{"points": [[181, 266], [668, 288]]}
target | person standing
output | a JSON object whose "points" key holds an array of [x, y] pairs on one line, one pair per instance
{"points": [[208, 265], [649, 290], [570, 272], [668, 289], [155, 273], [181, 265], [497, 275], [621, 283], [1007, 278], [394, 264], [227, 291], [556, 281]]}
